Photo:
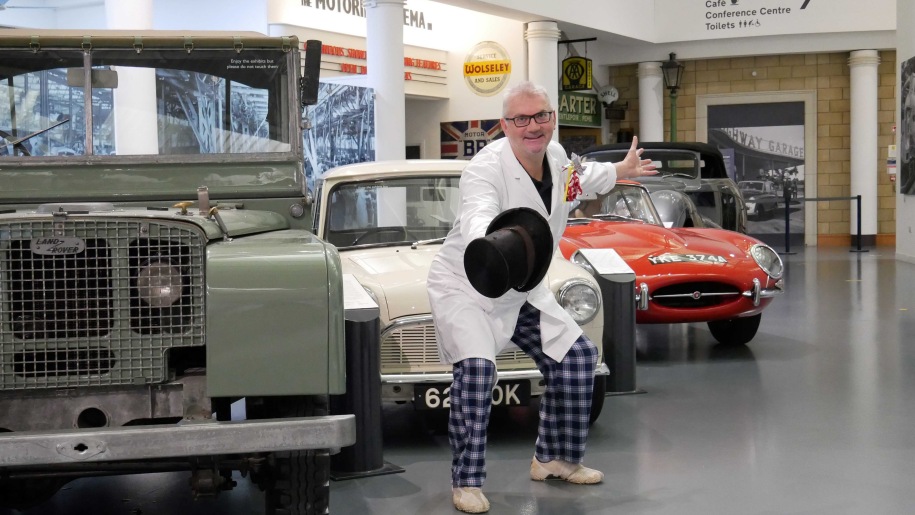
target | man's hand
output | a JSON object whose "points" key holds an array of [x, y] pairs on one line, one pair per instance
{"points": [[633, 166]]}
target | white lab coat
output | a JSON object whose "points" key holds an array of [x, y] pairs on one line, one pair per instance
{"points": [[468, 324]]}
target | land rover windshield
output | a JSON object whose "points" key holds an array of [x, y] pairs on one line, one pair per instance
{"points": [[145, 99]]}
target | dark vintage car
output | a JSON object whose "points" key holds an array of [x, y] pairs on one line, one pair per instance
{"points": [[761, 196], [696, 169], [683, 275]]}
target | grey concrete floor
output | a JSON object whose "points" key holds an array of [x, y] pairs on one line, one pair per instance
{"points": [[815, 416]]}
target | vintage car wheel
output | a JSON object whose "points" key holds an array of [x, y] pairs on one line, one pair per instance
{"points": [[736, 331], [295, 482], [761, 213], [597, 401]]}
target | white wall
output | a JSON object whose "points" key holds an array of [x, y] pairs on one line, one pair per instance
{"points": [[234, 15], [423, 125], [628, 18], [87, 16], [905, 204]]}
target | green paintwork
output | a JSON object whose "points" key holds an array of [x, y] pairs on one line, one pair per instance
{"points": [[274, 295], [104, 179], [268, 330]]}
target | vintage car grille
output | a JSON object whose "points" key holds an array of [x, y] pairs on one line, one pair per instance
{"points": [[78, 319], [410, 347], [695, 295]]}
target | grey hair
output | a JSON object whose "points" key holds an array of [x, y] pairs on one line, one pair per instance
{"points": [[524, 89]]}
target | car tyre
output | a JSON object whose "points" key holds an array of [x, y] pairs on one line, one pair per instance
{"points": [[597, 400], [294, 482], [736, 331]]}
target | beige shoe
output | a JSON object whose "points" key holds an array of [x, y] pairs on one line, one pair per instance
{"points": [[571, 472], [469, 499]]}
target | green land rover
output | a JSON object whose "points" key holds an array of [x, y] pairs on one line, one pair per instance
{"points": [[157, 272]]}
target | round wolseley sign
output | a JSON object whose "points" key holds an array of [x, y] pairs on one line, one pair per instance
{"points": [[487, 68]]}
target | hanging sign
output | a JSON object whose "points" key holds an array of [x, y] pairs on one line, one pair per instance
{"points": [[576, 73]]}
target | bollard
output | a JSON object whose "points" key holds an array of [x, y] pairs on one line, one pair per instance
{"points": [[617, 285], [363, 388]]}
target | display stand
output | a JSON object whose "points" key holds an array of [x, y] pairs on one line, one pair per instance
{"points": [[617, 285], [363, 388]]}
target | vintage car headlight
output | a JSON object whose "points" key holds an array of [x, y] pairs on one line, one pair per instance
{"points": [[159, 283], [580, 299], [580, 260], [768, 260]]}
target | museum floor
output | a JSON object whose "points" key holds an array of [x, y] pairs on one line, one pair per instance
{"points": [[816, 416]]}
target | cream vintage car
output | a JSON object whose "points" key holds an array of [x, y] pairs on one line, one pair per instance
{"points": [[388, 219]]}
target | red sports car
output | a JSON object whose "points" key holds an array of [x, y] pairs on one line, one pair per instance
{"points": [[691, 274]]}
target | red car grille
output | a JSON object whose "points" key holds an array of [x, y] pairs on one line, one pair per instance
{"points": [[695, 295]]}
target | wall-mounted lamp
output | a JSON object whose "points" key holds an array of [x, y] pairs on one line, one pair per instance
{"points": [[673, 74]]}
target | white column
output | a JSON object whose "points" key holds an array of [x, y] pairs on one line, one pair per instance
{"points": [[651, 102], [135, 117], [543, 59], [384, 45], [863, 64]]}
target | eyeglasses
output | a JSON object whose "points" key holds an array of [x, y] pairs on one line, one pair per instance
{"points": [[525, 120]]}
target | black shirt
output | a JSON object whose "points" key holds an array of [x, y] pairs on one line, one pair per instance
{"points": [[545, 186]]}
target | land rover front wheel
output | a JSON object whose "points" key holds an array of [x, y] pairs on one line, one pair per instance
{"points": [[736, 331], [295, 482]]}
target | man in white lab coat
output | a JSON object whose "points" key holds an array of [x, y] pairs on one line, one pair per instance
{"points": [[524, 169]]}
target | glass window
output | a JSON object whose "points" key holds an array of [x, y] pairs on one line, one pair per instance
{"points": [[41, 112], [152, 102], [391, 211]]}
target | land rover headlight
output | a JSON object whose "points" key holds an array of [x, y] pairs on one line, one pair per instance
{"points": [[580, 260], [768, 260], [580, 299], [159, 283]]}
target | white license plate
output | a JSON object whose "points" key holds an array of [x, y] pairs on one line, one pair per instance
{"points": [[437, 396]]}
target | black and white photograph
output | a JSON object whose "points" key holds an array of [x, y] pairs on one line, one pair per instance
{"points": [[342, 129], [763, 145], [907, 122]]}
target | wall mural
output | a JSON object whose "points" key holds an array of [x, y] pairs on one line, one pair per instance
{"points": [[907, 137], [342, 129], [763, 146]]}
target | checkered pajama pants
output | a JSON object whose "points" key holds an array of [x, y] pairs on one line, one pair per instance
{"points": [[564, 407]]}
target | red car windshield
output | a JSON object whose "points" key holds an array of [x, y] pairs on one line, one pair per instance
{"points": [[624, 201]]}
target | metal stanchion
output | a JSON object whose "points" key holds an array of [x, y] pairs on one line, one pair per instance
{"points": [[363, 388], [858, 249], [787, 199], [827, 199], [617, 285]]}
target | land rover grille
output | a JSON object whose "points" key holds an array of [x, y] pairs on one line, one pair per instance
{"points": [[77, 314]]}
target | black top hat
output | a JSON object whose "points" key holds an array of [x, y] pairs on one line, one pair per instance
{"points": [[515, 253]]}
